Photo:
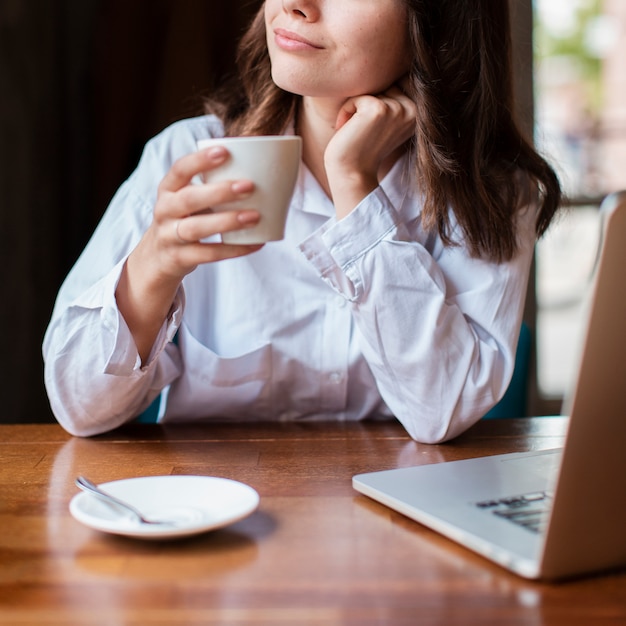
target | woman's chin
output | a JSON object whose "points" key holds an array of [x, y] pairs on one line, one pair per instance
{"points": [[314, 87]]}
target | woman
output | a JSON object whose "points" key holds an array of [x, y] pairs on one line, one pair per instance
{"points": [[398, 289]]}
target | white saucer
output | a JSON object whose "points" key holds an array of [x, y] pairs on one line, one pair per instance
{"points": [[194, 504]]}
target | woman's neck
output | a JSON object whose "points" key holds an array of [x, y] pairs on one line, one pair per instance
{"points": [[316, 125]]}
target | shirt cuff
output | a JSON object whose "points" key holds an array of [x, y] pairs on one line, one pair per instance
{"points": [[119, 351], [335, 248]]}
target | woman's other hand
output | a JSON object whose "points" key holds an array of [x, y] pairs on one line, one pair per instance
{"points": [[369, 135]]}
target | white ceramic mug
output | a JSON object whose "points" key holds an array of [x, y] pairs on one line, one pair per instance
{"points": [[272, 163]]}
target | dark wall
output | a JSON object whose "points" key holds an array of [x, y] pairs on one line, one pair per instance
{"points": [[83, 85]]}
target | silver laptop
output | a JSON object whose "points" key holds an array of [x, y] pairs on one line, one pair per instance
{"points": [[556, 513]]}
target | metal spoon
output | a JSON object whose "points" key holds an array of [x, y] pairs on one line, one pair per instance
{"points": [[86, 485]]}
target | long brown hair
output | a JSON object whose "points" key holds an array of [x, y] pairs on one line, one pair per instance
{"points": [[470, 154]]}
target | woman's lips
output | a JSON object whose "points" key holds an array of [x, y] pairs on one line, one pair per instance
{"points": [[288, 40]]}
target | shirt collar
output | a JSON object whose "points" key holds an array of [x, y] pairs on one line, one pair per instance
{"points": [[398, 185]]}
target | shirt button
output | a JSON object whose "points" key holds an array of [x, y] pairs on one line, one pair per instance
{"points": [[336, 378]]}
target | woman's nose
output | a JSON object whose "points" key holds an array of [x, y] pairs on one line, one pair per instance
{"points": [[307, 9]]}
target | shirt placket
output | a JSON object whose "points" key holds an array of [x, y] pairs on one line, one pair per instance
{"points": [[335, 353]]}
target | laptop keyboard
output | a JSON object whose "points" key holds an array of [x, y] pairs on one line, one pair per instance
{"points": [[530, 510]]}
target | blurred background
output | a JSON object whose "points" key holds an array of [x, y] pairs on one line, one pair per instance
{"points": [[85, 83], [580, 125]]}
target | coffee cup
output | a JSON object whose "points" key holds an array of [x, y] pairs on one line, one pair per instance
{"points": [[272, 163]]}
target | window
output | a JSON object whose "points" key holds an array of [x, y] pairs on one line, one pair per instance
{"points": [[580, 125]]}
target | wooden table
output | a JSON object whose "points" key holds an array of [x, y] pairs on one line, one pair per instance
{"points": [[315, 552]]}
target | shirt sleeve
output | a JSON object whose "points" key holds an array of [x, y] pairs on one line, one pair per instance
{"points": [[438, 327], [93, 372]]}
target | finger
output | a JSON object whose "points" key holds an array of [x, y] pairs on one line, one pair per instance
{"points": [[398, 95], [193, 228], [351, 107], [395, 92], [198, 253], [185, 168], [197, 198], [347, 110]]}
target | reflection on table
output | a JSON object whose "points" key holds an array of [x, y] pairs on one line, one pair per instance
{"points": [[315, 552]]}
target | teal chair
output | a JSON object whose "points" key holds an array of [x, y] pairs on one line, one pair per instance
{"points": [[151, 414], [513, 403]]}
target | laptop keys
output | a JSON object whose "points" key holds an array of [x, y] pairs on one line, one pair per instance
{"points": [[529, 510]]}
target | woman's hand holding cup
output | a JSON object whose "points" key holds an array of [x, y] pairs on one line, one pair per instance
{"points": [[184, 218], [171, 247]]}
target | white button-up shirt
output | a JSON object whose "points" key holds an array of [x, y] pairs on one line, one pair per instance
{"points": [[368, 316]]}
